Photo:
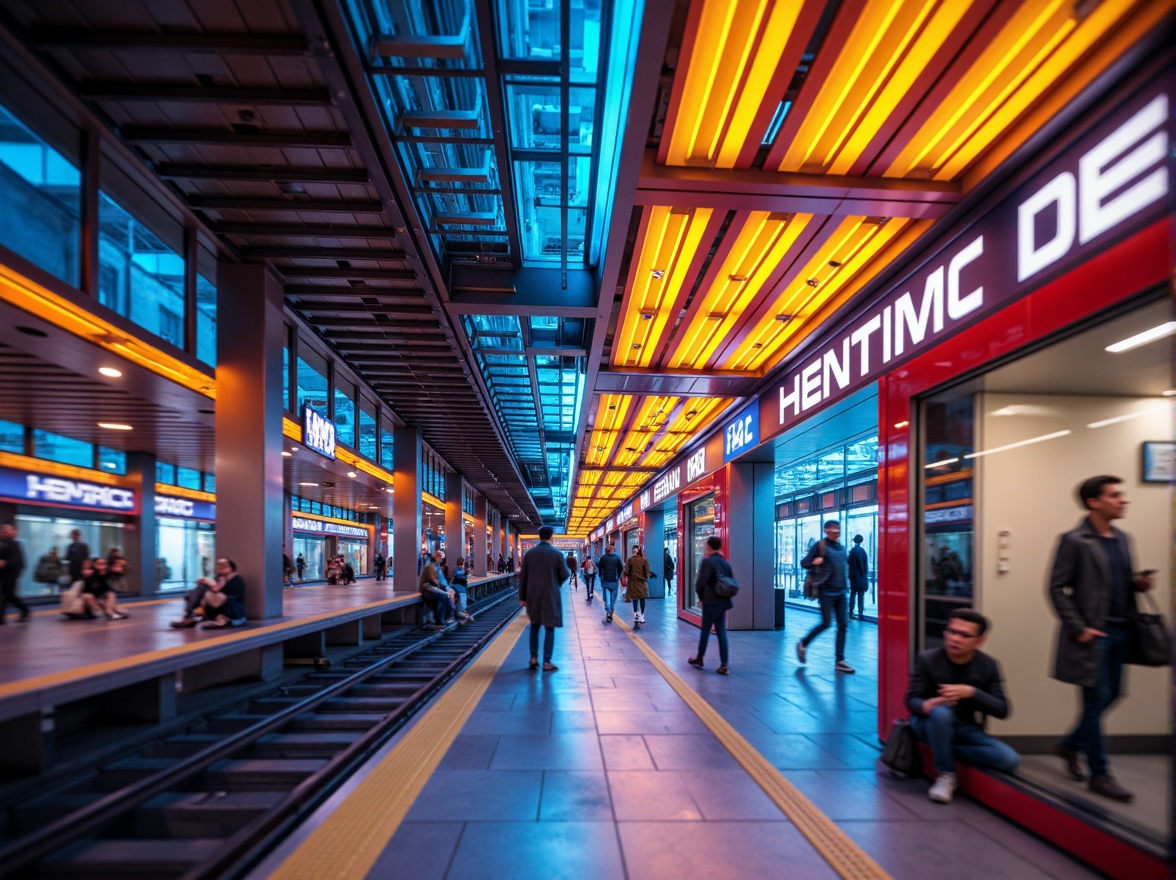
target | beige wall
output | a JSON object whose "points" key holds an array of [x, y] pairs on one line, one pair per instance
{"points": [[1029, 492]]}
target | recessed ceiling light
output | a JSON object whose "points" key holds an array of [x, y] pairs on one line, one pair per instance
{"points": [[659, 274], [738, 279], [352, 474], [308, 484], [115, 426], [293, 448], [785, 317], [636, 345], [647, 316], [813, 282], [1143, 338], [110, 371], [287, 454]]}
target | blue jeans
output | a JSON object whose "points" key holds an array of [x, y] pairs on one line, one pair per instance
{"points": [[548, 641], [609, 588], [590, 583], [951, 740], [459, 602], [714, 614], [1087, 736], [830, 605]]}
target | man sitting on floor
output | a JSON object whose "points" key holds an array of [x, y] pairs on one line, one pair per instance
{"points": [[951, 690], [220, 603]]}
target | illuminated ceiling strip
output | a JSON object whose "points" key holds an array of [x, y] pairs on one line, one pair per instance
{"points": [[736, 52], [1018, 444], [756, 255], [889, 47], [181, 492], [30, 296], [667, 248], [57, 469]]}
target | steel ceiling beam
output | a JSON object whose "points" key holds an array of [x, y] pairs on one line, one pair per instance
{"points": [[137, 93], [278, 174], [322, 253], [336, 272], [154, 41], [301, 230], [317, 206], [325, 140]]}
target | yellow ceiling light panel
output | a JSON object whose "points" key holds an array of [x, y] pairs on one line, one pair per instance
{"points": [[1033, 53], [851, 247], [761, 245], [734, 57], [888, 49], [649, 420], [668, 248]]}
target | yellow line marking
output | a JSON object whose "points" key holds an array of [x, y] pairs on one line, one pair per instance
{"points": [[40, 682], [348, 842], [843, 855]]}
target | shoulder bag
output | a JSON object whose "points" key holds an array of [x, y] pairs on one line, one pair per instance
{"points": [[1148, 643], [813, 578]]}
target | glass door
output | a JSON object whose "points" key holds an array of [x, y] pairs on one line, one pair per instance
{"points": [[700, 525]]}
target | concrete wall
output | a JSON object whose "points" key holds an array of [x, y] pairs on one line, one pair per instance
{"points": [[1029, 492]]}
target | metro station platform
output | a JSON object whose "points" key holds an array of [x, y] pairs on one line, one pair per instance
{"points": [[628, 763]]}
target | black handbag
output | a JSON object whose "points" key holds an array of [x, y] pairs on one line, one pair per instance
{"points": [[1148, 643], [813, 578], [902, 750]]}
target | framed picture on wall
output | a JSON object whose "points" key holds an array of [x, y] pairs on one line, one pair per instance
{"points": [[1159, 461]]}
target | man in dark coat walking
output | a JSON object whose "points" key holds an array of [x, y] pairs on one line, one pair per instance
{"points": [[1092, 587], [12, 563], [543, 573]]}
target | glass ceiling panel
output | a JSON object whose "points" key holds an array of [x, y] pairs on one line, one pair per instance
{"points": [[530, 30]]}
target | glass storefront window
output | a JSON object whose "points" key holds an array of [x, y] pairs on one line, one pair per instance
{"points": [[40, 201], [210, 483], [312, 382], [39, 534], [113, 461], [355, 552], [345, 412], [165, 473], [206, 321], [699, 516], [186, 551], [314, 553], [139, 276], [55, 447], [387, 447], [12, 437]]}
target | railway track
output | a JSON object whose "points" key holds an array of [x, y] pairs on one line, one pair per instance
{"points": [[213, 800]]}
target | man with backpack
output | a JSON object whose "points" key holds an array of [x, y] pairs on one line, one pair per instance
{"points": [[714, 596], [609, 567], [828, 561]]}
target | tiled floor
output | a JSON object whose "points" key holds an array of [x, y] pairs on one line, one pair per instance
{"points": [[600, 770]]}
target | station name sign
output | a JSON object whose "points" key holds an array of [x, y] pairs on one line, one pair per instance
{"points": [[184, 508], [65, 492], [322, 527], [1109, 182], [741, 433], [318, 432]]}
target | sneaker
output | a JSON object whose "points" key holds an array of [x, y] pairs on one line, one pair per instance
{"points": [[548, 666], [118, 615], [842, 666], [800, 651], [696, 662], [723, 670], [943, 788], [534, 664], [183, 623]]}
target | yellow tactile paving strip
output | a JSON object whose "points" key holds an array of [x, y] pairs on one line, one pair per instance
{"points": [[843, 855], [350, 840]]}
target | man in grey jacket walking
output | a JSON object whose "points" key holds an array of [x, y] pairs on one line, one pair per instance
{"points": [[543, 573], [828, 559], [1092, 587]]}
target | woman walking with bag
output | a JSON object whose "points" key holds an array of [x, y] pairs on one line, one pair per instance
{"points": [[637, 583]]}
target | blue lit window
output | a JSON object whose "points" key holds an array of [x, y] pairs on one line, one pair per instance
{"points": [[113, 461], [67, 450], [188, 478], [345, 412], [367, 430], [206, 321], [40, 201], [387, 447], [209, 482], [11, 437], [165, 473], [312, 383], [139, 276]]}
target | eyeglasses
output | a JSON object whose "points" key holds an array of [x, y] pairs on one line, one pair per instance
{"points": [[961, 634]]}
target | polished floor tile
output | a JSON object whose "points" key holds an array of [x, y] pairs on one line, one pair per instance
{"points": [[537, 851]]}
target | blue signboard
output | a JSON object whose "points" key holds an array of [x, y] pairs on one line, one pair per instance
{"points": [[184, 508], [318, 432], [741, 433], [65, 492]]}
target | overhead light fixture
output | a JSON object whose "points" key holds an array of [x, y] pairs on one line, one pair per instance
{"points": [[352, 474], [110, 371], [1143, 338], [785, 318], [647, 316], [1129, 416], [1019, 444], [737, 279], [659, 274], [901, 424], [942, 463], [115, 426], [286, 454]]}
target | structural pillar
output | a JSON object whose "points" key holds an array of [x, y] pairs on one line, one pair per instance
{"points": [[406, 507], [750, 543], [478, 568], [141, 548], [455, 544], [653, 526], [495, 536], [249, 526]]}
